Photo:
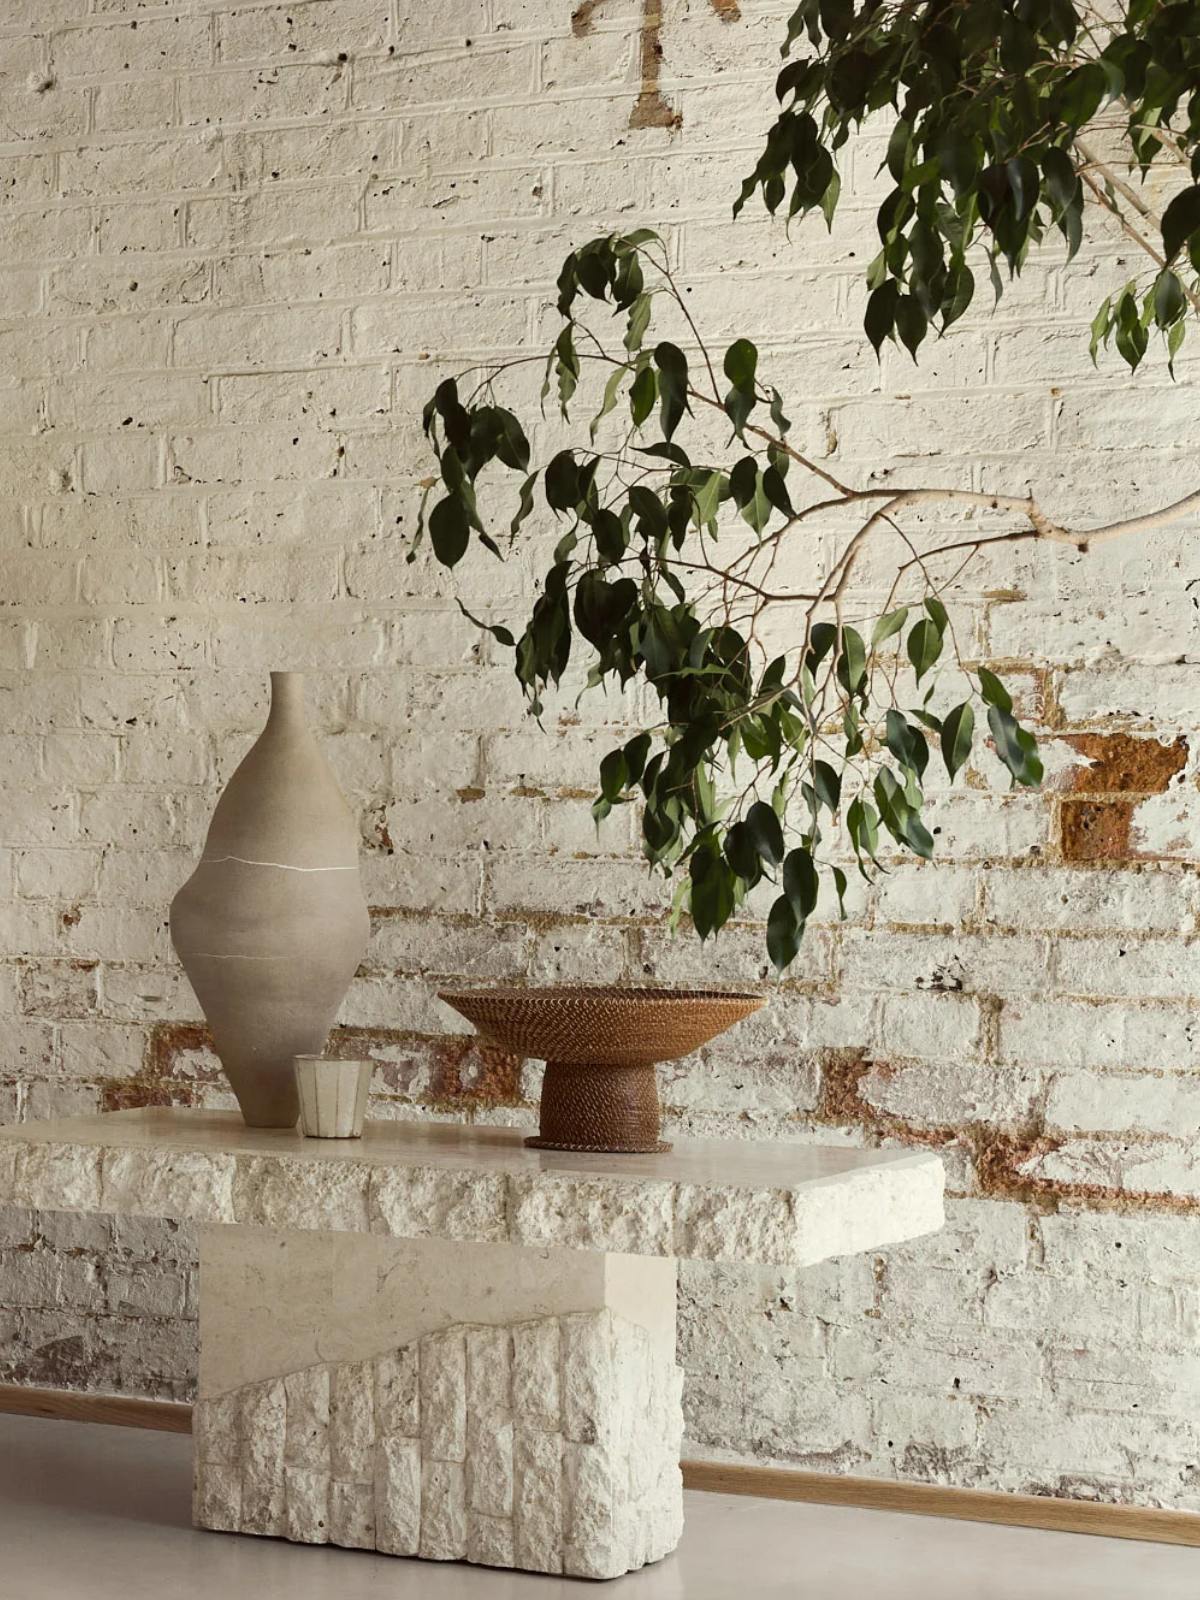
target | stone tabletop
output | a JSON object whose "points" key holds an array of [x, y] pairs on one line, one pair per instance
{"points": [[714, 1200]]}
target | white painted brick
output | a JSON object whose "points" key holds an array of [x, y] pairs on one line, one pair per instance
{"points": [[176, 165], [1138, 970], [934, 1025], [1151, 902], [257, 338], [1069, 1033], [1111, 1103], [336, 27], [281, 89], [462, 77], [147, 45]]}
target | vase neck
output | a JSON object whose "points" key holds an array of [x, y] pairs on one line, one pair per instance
{"points": [[287, 697]]}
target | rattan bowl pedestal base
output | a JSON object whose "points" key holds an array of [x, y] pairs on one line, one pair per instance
{"points": [[600, 1046], [599, 1107]]}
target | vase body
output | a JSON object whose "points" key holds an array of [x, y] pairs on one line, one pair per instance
{"points": [[273, 923]]}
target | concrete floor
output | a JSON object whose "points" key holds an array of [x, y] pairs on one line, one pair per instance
{"points": [[98, 1513]]}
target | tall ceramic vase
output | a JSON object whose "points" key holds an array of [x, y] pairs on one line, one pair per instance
{"points": [[273, 923]]}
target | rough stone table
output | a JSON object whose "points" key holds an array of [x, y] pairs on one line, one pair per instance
{"points": [[435, 1342]]}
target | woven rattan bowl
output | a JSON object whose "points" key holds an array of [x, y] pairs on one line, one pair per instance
{"points": [[600, 1047]]}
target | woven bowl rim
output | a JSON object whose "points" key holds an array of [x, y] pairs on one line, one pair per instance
{"points": [[608, 994]]}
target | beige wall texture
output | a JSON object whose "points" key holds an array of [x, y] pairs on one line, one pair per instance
{"points": [[238, 242]]}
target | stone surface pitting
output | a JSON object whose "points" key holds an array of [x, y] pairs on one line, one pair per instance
{"points": [[782, 1204], [433, 1449]]}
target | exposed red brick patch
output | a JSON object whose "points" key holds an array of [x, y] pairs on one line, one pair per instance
{"points": [[999, 1156], [841, 1099], [1000, 1160], [1095, 830], [167, 1077], [1123, 764], [842, 1104]]}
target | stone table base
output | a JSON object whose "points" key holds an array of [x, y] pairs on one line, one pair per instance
{"points": [[461, 1348], [507, 1406]]}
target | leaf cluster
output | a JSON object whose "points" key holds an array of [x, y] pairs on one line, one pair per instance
{"points": [[986, 101], [761, 775]]}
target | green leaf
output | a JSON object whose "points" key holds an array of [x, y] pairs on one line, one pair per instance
{"points": [[741, 363], [637, 323], [741, 854], [673, 384], [525, 506], [1016, 747], [880, 318], [993, 691], [852, 661], [783, 934], [924, 645], [827, 785], [1062, 184], [839, 884], [912, 324], [449, 530], [712, 896], [567, 368], [801, 883], [1101, 327], [862, 824], [636, 752], [957, 732], [766, 835], [888, 625], [749, 493], [562, 482], [496, 629], [905, 743], [609, 533], [611, 390], [643, 392], [1180, 220], [900, 819], [820, 641], [1169, 301], [614, 775]]}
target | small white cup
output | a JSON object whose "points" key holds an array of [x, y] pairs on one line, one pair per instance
{"points": [[333, 1096]]}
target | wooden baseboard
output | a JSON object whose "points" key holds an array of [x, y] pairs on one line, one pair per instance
{"points": [[717, 1477], [64, 1405], [938, 1500]]}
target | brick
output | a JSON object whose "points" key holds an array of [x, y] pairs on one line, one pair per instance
{"points": [[278, 89], [1121, 763], [146, 45], [338, 27], [257, 338], [176, 165]]}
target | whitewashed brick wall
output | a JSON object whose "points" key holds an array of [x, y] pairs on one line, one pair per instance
{"points": [[237, 244]]}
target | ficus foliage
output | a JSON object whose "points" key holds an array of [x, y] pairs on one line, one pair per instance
{"points": [[990, 106], [763, 768]]}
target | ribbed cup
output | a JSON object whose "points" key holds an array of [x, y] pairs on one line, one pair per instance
{"points": [[333, 1096]]}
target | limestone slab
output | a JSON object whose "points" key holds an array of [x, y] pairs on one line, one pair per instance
{"points": [[776, 1203]]}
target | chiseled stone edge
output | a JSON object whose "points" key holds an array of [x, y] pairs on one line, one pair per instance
{"points": [[848, 1212], [574, 1469]]}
